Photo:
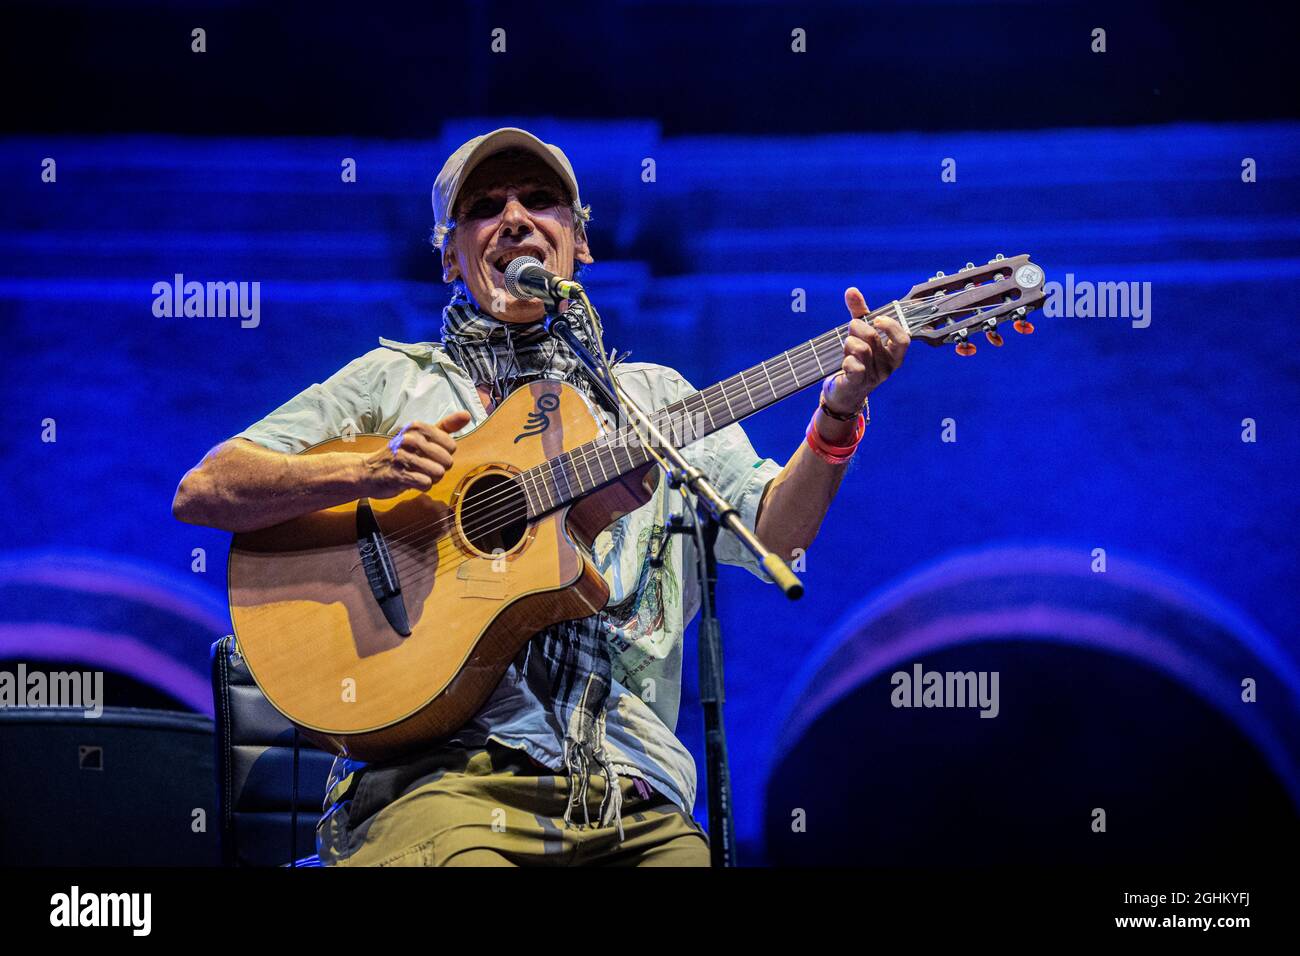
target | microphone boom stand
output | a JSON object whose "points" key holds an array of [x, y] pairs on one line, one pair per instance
{"points": [[714, 511]]}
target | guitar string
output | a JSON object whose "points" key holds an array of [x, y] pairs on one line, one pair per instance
{"points": [[509, 509], [600, 449], [508, 503], [595, 450]]}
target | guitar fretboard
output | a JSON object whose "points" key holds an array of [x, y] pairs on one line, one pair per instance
{"points": [[569, 476]]}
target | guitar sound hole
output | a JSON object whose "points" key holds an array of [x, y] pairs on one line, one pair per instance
{"points": [[494, 514]]}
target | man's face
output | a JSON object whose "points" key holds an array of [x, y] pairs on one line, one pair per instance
{"points": [[512, 204]]}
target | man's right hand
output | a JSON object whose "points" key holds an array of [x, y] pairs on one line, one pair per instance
{"points": [[416, 457]]}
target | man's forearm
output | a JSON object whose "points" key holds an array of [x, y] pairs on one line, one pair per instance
{"points": [[240, 486], [798, 498]]}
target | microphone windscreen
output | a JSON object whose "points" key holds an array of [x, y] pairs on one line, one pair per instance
{"points": [[513, 273]]}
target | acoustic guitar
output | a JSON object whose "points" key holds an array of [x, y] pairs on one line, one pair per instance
{"points": [[378, 626]]}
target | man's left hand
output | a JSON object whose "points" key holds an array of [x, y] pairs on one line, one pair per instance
{"points": [[871, 354]]}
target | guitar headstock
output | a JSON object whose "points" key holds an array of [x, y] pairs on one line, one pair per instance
{"points": [[952, 310]]}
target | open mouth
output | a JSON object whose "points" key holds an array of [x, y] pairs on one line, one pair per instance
{"points": [[505, 258]]}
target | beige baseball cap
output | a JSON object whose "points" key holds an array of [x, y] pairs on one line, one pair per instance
{"points": [[462, 162]]}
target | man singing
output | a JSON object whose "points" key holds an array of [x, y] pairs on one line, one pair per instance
{"points": [[572, 759]]}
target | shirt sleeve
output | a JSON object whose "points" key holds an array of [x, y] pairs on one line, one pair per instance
{"points": [[728, 460], [343, 404]]}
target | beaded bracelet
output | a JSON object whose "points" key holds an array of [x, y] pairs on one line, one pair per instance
{"points": [[834, 454], [865, 410]]}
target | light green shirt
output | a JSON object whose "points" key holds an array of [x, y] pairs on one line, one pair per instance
{"points": [[390, 386]]}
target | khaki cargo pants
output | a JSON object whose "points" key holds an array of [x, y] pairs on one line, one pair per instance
{"points": [[496, 807]]}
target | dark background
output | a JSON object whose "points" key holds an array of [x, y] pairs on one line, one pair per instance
{"points": [[399, 70]]}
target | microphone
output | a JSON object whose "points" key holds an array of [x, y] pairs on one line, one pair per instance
{"points": [[526, 278]]}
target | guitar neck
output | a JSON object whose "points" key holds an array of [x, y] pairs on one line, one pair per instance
{"points": [[943, 310], [569, 476]]}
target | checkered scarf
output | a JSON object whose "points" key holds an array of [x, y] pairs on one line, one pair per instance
{"points": [[575, 654], [504, 356]]}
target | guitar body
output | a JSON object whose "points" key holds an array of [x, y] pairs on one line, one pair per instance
{"points": [[316, 637]]}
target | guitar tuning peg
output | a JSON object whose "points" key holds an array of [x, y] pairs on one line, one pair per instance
{"points": [[1023, 326], [965, 348], [999, 257], [969, 265], [994, 337]]}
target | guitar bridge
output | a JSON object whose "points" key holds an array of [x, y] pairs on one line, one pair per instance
{"points": [[381, 574]]}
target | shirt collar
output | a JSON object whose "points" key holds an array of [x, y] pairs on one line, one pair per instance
{"points": [[424, 352]]}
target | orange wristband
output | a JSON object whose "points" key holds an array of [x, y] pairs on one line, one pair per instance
{"points": [[834, 454]]}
